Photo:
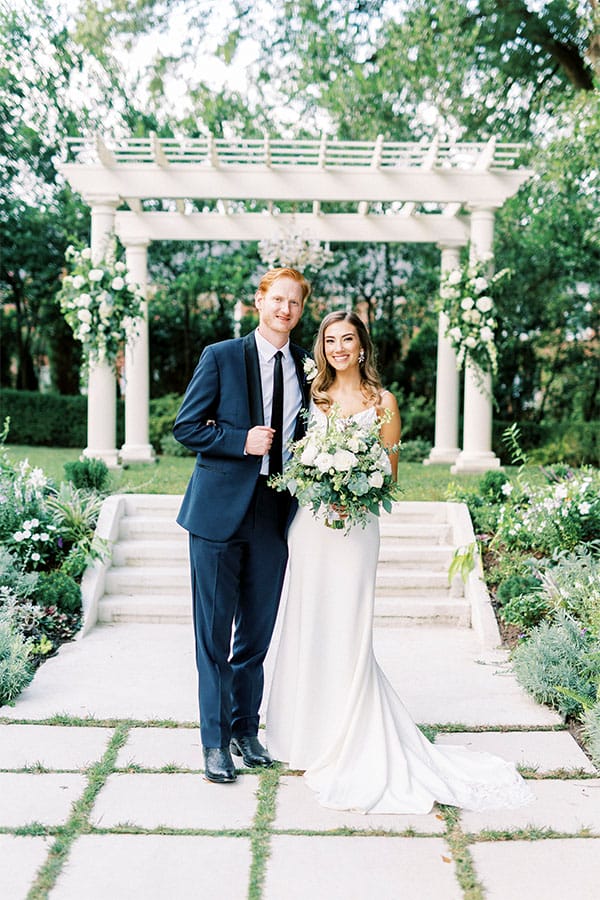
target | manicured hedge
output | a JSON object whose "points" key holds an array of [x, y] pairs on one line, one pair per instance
{"points": [[47, 420]]}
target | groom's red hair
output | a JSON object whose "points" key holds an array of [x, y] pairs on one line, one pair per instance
{"points": [[273, 275]]}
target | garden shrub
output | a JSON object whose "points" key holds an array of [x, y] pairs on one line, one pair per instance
{"points": [[591, 731], [169, 446], [559, 654], [573, 584], [90, 474], [16, 670], [415, 450], [50, 420], [163, 411], [557, 515], [59, 590], [12, 577], [516, 586], [524, 610]]}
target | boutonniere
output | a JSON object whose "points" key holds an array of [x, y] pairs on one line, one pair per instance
{"points": [[310, 368]]}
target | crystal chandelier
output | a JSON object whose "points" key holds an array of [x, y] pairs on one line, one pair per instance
{"points": [[295, 249]]}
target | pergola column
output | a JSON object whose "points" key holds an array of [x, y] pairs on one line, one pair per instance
{"points": [[137, 447], [477, 454], [102, 398], [445, 449]]}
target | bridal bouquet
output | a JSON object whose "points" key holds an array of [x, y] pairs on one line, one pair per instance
{"points": [[342, 472]]}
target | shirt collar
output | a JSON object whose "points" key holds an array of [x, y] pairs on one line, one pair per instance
{"points": [[266, 348]]}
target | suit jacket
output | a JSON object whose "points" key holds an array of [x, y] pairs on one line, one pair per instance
{"points": [[222, 403]]}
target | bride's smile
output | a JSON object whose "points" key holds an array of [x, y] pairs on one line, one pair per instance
{"points": [[342, 346]]}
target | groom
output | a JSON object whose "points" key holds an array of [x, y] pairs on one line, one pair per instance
{"points": [[240, 409]]}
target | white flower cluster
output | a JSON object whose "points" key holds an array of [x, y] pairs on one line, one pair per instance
{"points": [[310, 368], [99, 302], [36, 532], [296, 250], [465, 298], [341, 467]]}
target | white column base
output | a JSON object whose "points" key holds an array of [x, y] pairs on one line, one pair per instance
{"points": [[137, 453], [110, 457], [475, 462], [440, 455]]}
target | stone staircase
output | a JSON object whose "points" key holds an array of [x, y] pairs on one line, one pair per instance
{"points": [[148, 578]]}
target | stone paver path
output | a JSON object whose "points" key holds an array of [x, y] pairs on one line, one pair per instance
{"points": [[114, 806]]}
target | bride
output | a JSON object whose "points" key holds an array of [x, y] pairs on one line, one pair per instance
{"points": [[332, 712]]}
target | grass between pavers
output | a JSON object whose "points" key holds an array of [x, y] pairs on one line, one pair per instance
{"points": [[78, 822], [262, 830]]}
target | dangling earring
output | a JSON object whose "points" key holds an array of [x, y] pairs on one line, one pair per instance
{"points": [[361, 357]]}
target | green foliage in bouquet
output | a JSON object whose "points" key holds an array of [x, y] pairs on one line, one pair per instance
{"points": [[341, 472]]}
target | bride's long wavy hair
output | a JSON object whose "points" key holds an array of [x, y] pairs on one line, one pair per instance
{"points": [[370, 385]]}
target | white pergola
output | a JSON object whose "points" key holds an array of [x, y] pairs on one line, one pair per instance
{"points": [[433, 192]]}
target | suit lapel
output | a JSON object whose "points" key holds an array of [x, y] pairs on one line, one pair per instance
{"points": [[255, 399], [299, 356]]}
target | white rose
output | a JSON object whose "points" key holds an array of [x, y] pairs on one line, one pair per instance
{"points": [[484, 304], [467, 303], [480, 284], [455, 333], [84, 315], [475, 316], [84, 300], [376, 480], [354, 444], [105, 311], [454, 276], [324, 462], [86, 253], [343, 460], [117, 284], [78, 282], [84, 328], [95, 275], [486, 334], [120, 267], [471, 342], [309, 454]]}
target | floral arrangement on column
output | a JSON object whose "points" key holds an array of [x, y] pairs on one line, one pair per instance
{"points": [[467, 299], [100, 303]]}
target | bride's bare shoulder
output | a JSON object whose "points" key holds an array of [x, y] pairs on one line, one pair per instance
{"points": [[387, 400]]}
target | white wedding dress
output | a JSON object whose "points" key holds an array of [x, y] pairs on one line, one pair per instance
{"points": [[332, 712]]}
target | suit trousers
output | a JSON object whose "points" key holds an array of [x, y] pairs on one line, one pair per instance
{"points": [[236, 584]]}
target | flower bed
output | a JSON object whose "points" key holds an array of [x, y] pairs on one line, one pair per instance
{"points": [[47, 538], [541, 551]]}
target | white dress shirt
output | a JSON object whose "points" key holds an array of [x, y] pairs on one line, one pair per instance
{"points": [[292, 396]]}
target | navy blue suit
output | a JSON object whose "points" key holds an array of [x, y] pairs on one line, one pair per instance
{"points": [[237, 527]]}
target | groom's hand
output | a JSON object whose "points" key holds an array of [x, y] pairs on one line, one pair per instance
{"points": [[259, 440]]}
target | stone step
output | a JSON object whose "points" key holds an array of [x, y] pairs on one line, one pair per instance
{"points": [[416, 533], [176, 580], [176, 609], [173, 550], [151, 527], [391, 580], [161, 608], [166, 505], [400, 611]]}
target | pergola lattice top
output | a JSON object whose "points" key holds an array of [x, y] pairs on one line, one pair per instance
{"points": [[323, 153], [400, 191]]}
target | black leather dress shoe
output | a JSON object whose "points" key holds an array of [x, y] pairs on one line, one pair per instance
{"points": [[218, 765], [252, 752]]}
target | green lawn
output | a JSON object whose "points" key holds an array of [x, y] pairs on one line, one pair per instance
{"points": [[170, 474]]}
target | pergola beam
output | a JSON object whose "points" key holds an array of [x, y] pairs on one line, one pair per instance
{"points": [[348, 227], [297, 184]]}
